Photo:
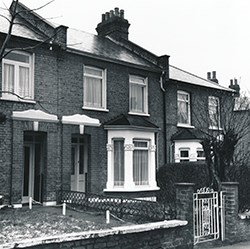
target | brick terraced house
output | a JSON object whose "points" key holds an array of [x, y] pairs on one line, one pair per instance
{"points": [[91, 113]]}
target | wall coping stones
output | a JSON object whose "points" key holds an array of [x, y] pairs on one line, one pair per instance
{"points": [[166, 224]]}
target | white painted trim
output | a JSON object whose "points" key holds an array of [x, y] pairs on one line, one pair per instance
{"points": [[134, 189], [34, 115], [185, 126], [95, 109], [49, 203], [78, 119], [19, 205]]}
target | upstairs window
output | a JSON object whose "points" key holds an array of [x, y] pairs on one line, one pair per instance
{"points": [[94, 88], [183, 104], [138, 95], [214, 112], [17, 76]]}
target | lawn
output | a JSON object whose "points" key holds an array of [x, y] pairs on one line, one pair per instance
{"points": [[20, 224]]}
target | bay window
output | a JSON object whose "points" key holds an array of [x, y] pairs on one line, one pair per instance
{"points": [[131, 161], [17, 76]]}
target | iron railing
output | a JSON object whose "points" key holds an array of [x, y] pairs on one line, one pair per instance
{"points": [[118, 205]]}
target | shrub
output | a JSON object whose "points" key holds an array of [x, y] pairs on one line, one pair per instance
{"points": [[189, 172]]}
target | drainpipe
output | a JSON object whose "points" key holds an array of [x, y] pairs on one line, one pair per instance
{"points": [[11, 161], [164, 116]]}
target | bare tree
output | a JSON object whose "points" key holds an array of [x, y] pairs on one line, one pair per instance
{"points": [[228, 123], [12, 20]]}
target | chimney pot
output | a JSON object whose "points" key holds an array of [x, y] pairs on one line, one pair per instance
{"points": [[122, 14], [235, 81], [107, 16], [208, 75], [111, 13], [103, 17], [116, 11], [231, 82], [214, 74]]}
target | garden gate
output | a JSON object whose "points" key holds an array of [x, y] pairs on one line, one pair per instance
{"points": [[208, 215]]}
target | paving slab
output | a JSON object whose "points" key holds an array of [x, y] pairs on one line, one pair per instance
{"points": [[241, 245]]}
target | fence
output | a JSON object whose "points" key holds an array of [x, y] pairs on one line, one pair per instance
{"points": [[118, 205]]}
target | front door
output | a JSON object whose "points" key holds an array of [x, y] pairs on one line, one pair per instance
{"points": [[32, 174], [79, 160]]}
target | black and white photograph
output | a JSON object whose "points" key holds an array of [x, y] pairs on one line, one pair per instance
{"points": [[125, 124]]}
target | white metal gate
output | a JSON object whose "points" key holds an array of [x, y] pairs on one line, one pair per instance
{"points": [[208, 215]]}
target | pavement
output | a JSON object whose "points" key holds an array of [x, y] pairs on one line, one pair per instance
{"points": [[241, 245]]}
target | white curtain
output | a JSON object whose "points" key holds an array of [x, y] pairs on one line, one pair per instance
{"points": [[137, 98], [140, 165], [183, 109], [118, 162], [93, 92], [9, 75], [24, 82]]}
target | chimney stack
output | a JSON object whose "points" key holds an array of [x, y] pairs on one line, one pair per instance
{"points": [[114, 25], [213, 78], [235, 86]]}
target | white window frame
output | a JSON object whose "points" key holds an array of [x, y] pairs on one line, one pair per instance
{"points": [[132, 81], [129, 137], [192, 145], [16, 65], [211, 106], [184, 159], [118, 183], [200, 158], [187, 102], [142, 149], [103, 78]]}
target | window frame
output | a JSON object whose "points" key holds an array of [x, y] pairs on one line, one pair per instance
{"points": [[17, 64], [211, 101], [121, 184], [188, 103], [129, 137], [141, 149], [184, 159], [200, 158], [103, 78], [145, 93]]}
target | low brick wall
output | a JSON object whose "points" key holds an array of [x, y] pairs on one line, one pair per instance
{"points": [[172, 234]]}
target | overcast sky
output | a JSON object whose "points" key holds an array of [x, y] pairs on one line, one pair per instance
{"points": [[198, 35]]}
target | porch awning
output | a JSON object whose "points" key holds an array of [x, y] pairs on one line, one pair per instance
{"points": [[34, 115], [80, 119]]}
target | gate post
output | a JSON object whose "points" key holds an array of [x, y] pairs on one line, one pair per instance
{"points": [[231, 210], [184, 205]]}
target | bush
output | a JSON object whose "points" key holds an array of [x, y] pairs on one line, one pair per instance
{"points": [[189, 172]]}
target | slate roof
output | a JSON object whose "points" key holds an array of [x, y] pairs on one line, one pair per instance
{"points": [[101, 47], [130, 121], [20, 29], [186, 77], [187, 134]]}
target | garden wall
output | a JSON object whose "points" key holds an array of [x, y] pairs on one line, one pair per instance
{"points": [[166, 234]]}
